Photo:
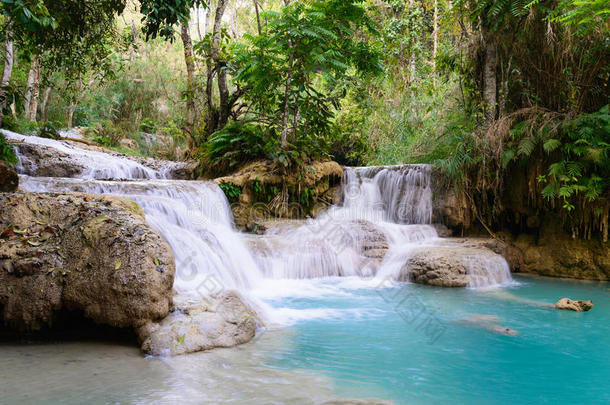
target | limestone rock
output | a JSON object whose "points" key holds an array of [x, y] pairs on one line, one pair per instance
{"points": [[267, 191], [555, 253], [454, 266], [574, 305], [47, 161], [200, 324], [9, 181], [488, 322], [80, 253]]}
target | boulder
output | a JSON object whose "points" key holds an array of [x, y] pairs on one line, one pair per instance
{"points": [[9, 180], [574, 305], [80, 254], [197, 324], [267, 191], [455, 266]]}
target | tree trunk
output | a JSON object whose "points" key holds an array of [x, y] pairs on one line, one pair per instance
{"points": [[33, 108], [435, 47], [73, 103], [45, 104], [213, 66], [190, 84], [9, 59], [134, 34], [258, 17], [490, 86], [27, 98], [208, 19], [71, 114], [199, 23], [223, 91], [284, 140], [412, 57]]}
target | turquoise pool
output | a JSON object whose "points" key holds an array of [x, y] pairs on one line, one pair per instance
{"points": [[349, 339]]}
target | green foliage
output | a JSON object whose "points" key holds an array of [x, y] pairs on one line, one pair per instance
{"points": [[236, 144], [161, 16], [7, 153], [107, 133], [148, 125], [582, 167], [257, 188], [48, 130], [313, 48], [306, 197], [585, 15], [27, 15], [231, 190], [172, 130]]}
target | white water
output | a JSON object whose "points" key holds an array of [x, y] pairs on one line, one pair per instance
{"points": [[384, 208], [97, 165]]}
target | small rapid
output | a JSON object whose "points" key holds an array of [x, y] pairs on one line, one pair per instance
{"points": [[95, 164]]}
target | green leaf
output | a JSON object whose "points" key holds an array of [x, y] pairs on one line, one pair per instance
{"points": [[117, 265], [550, 145]]}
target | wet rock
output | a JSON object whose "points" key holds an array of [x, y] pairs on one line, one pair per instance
{"points": [[488, 322], [80, 253], [43, 160], [574, 305], [128, 143], [266, 191], [197, 324], [442, 231], [450, 205], [555, 253], [454, 266], [9, 181]]}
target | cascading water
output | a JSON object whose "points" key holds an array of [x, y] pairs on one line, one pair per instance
{"points": [[194, 217], [96, 165], [385, 215]]}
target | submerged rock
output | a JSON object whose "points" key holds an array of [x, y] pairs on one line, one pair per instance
{"points": [[9, 181], [83, 255], [574, 305], [455, 266], [488, 322], [200, 324]]}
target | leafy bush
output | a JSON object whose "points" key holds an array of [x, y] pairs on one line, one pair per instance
{"points": [[584, 164], [107, 133], [231, 190], [236, 144], [48, 130], [7, 153], [148, 125]]}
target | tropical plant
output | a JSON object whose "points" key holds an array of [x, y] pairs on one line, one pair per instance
{"points": [[7, 153]]}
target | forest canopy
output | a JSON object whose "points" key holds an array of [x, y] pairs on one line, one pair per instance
{"points": [[482, 89]]}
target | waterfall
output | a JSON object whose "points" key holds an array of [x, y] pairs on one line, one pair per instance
{"points": [[95, 164], [399, 194], [195, 219], [386, 213]]}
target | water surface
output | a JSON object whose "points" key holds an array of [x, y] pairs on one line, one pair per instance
{"points": [[350, 338]]}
